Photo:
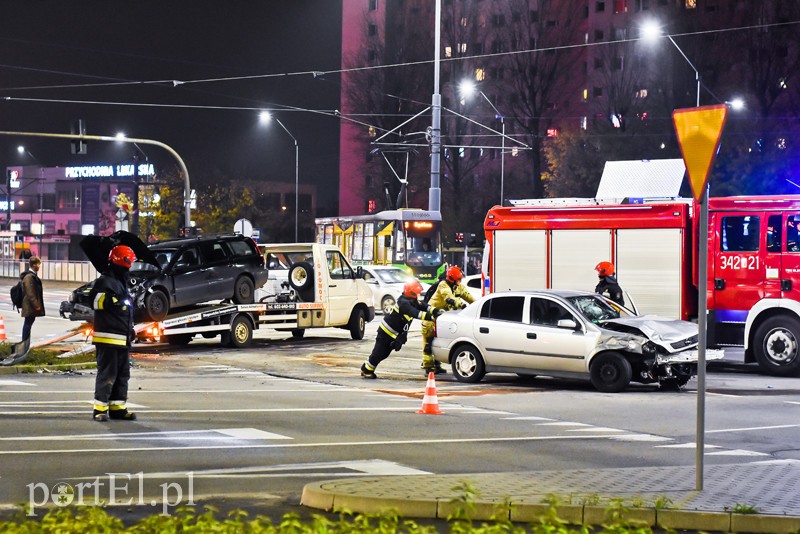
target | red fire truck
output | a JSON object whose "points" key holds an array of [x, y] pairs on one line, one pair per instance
{"points": [[753, 262]]}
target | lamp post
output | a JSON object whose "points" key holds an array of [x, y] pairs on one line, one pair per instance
{"points": [[266, 116], [468, 88], [651, 31]]}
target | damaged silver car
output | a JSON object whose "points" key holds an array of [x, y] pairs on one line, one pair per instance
{"points": [[570, 334]]}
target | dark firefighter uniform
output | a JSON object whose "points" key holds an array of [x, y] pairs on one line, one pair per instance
{"points": [[393, 329], [609, 287], [113, 324]]}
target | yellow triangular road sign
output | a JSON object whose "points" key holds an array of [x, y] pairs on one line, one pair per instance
{"points": [[699, 131]]}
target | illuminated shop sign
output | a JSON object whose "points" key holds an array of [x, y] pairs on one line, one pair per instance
{"points": [[109, 171]]}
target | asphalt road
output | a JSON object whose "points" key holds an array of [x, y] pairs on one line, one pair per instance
{"points": [[251, 427]]}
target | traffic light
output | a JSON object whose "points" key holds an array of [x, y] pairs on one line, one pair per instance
{"points": [[472, 240], [78, 146], [459, 238]]}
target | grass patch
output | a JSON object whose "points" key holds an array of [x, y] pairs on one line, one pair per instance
{"points": [[43, 357]]}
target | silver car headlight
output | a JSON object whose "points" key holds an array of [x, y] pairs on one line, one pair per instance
{"points": [[628, 343]]}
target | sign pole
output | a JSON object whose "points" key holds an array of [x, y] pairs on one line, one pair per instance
{"points": [[699, 131]]}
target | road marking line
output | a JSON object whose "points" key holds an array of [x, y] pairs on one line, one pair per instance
{"points": [[249, 410], [750, 428], [640, 437], [686, 446], [184, 435], [596, 429], [305, 445], [9, 404], [527, 418], [15, 383], [193, 391], [736, 452], [563, 423]]}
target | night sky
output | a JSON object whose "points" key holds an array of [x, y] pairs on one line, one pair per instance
{"points": [[57, 43]]}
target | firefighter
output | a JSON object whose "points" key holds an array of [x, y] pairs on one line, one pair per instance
{"points": [[113, 334], [607, 284], [393, 330], [449, 295]]}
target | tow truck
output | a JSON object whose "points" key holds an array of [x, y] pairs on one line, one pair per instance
{"points": [[311, 285]]}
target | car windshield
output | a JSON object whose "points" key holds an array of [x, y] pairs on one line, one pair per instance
{"points": [[598, 309], [392, 276]]}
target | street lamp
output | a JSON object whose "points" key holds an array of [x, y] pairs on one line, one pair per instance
{"points": [[650, 31], [265, 117], [468, 88]]}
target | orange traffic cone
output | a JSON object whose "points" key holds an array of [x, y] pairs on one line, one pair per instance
{"points": [[430, 404], [3, 336]]}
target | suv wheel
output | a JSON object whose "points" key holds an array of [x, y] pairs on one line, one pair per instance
{"points": [[243, 291], [157, 305]]}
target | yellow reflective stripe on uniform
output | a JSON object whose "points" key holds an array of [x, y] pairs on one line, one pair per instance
{"points": [[388, 330], [117, 405], [110, 338], [99, 300]]}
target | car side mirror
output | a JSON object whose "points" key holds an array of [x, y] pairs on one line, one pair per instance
{"points": [[567, 323], [359, 272]]}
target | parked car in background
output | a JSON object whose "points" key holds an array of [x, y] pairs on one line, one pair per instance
{"points": [[177, 273], [571, 334], [474, 284], [386, 283]]}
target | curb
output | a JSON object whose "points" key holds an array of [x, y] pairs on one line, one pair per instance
{"points": [[24, 369], [523, 511]]}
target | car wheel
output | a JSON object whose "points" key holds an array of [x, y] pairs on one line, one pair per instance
{"points": [[243, 291], [301, 278], [178, 340], [610, 372], [157, 305], [776, 346], [298, 333], [468, 365], [241, 332], [387, 304], [358, 324]]}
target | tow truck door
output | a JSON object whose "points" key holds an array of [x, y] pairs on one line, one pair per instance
{"points": [[342, 290], [740, 264]]}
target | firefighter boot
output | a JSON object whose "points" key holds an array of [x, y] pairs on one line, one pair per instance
{"points": [[100, 415], [429, 365], [366, 372], [123, 415]]}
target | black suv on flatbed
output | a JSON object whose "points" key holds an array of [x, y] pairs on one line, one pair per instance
{"points": [[177, 273]]}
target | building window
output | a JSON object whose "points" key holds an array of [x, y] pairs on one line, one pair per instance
{"points": [[534, 15], [641, 93], [620, 6], [74, 227], [585, 94], [372, 30], [598, 63], [373, 5], [448, 51], [462, 48], [690, 4], [480, 74], [584, 123], [598, 35], [618, 63], [497, 47], [552, 132], [371, 55], [599, 7], [620, 34], [499, 20], [477, 48], [597, 92], [463, 22], [552, 23]]}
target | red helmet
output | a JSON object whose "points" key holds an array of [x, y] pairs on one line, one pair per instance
{"points": [[412, 289], [604, 268], [122, 256], [454, 274]]}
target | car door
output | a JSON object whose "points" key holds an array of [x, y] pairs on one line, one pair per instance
{"points": [[556, 348], [189, 279], [503, 333], [219, 272], [342, 290]]}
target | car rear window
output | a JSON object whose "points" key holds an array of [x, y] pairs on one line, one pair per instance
{"points": [[503, 308]]}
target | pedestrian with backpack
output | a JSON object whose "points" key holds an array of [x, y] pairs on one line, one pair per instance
{"points": [[32, 296]]}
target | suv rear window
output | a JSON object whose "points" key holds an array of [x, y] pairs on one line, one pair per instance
{"points": [[241, 248]]}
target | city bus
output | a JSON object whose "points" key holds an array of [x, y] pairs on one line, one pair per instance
{"points": [[408, 238]]}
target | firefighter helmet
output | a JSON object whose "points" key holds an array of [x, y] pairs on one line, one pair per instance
{"points": [[454, 274], [122, 256], [412, 289], [604, 268]]}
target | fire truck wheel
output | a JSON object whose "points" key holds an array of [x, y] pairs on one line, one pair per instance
{"points": [[244, 291], [241, 333], [776, 346], [468, 365], [157, 305], [610, 372], [358, 324], [298, 333]]}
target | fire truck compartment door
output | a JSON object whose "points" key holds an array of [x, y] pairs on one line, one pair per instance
{"points": [[574, 256], [520, 260], [651, 267], [790, 259]]}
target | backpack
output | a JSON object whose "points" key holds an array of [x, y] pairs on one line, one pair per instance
{"points": [[17, 295]]}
